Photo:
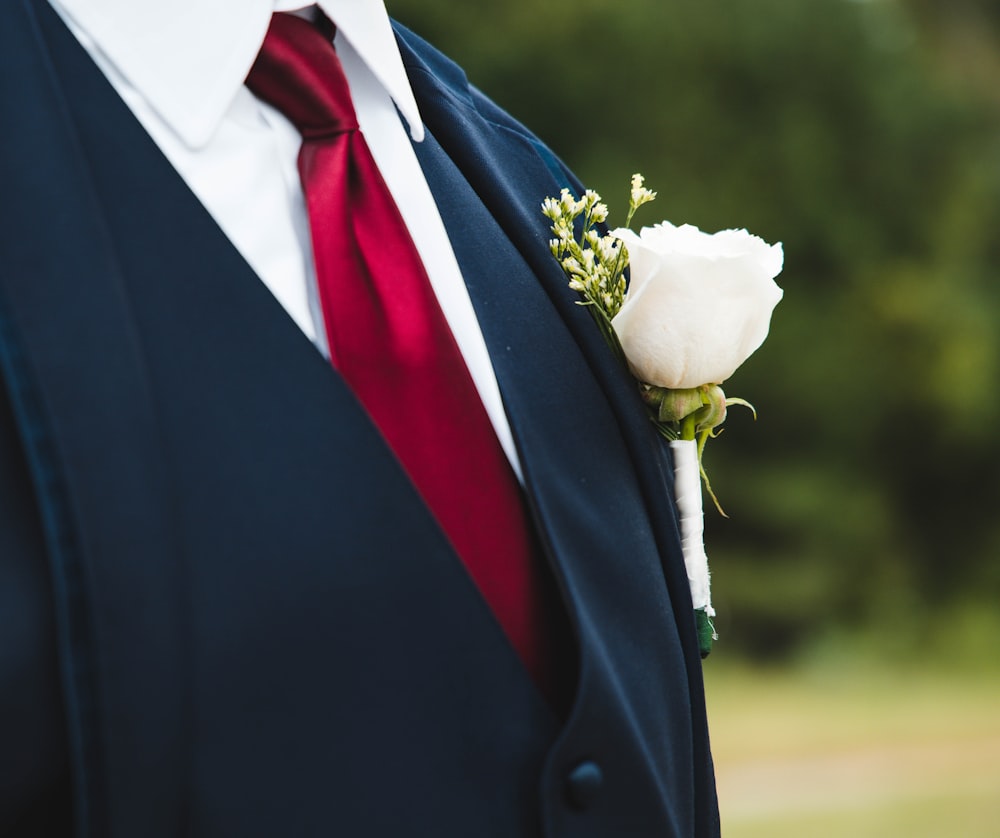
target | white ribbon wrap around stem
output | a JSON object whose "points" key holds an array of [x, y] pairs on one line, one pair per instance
{"points": [[687, 493]]}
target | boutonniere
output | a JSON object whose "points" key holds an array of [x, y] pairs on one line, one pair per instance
{"points": [[694, 307]]}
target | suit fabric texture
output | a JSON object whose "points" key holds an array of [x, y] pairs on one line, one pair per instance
{"points": [[224, 610]]}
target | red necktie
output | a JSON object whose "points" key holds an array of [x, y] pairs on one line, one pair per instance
{"points": [[389, 339]]}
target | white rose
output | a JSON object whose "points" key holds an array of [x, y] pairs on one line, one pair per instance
{"points": [[698, 304]]}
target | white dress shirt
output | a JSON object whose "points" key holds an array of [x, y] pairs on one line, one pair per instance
{"points": [[180, 65]]}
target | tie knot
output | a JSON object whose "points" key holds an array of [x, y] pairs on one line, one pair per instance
{"points": [[298, 72]]}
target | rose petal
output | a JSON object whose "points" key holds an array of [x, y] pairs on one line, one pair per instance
{"points": [[698, 304]]}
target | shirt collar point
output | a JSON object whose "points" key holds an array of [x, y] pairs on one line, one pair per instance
{"points": [[416, 129]]}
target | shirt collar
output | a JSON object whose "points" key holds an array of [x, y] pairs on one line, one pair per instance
{"points": [[188, 58]]}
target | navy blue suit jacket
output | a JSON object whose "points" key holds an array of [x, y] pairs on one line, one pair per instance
{"points": [[224, 611]]}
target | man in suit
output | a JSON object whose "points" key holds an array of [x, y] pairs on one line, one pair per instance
{"points": [[229, 605]]}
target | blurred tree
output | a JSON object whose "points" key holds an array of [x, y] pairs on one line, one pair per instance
{"points": [[864, 494], [965, 34]]}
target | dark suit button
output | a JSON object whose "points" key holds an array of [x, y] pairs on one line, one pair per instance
{"points": [[583, 784]]}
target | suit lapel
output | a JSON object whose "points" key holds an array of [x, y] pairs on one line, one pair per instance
{"points": [[553, 401], [602, 507], [511, 191], [590, 509]]}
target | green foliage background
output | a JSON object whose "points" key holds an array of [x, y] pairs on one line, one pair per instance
{"points": [[865, 135]]}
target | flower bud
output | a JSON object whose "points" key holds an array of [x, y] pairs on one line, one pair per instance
{"points": [[707, 404], [713, 413], [673, 405]]}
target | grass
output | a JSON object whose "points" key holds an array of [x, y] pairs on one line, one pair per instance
{"points": [[855, 751]]}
